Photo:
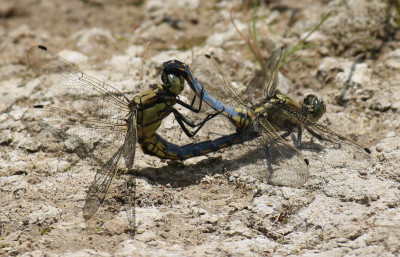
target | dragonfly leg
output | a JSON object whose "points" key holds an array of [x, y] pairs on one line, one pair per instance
{"points": [[182, 121], [286, 134], [201, 99], [190, 106], [299, 136]]}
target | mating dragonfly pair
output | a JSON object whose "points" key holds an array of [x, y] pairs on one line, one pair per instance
{"points": [[111, 124]]}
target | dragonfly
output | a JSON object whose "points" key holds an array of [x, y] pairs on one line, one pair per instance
{"points": [[109, 123], [263, 111]]}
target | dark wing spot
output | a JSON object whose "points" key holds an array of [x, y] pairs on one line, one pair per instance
{"points": [[42, 47], [367, 150]]}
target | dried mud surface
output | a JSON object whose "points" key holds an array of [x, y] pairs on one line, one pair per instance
{"points": [[198, 207]]}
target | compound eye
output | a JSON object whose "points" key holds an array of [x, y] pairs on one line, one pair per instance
{"points": [[319, 106], [176, 84], [173, 80], [309, 100]]}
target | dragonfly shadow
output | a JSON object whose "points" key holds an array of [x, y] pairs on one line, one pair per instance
{"points": [[177, 174], [311, 146]]}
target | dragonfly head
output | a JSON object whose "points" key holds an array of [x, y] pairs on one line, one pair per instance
{"points": [[314, 106], [173, 75]]}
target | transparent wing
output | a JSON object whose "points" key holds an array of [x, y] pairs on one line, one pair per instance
{"points": [[77, 95], [207, 72], [130, 142], [89, 108], [62, 130], [288, 166], [129, 155], [340, 150], [264, 83], [131, 199], [104, 176], [82, 105], [84, 92], [206, 75], [267, 157], [101, 184]]}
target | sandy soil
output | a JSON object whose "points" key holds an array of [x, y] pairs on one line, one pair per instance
{"points": [[199, 207]]}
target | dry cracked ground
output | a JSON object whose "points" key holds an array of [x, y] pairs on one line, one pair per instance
{"points": [[200, 207]]}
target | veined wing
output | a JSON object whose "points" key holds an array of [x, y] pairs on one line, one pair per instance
{"points": [[288, 166], [78, 95], [207, 75], [344, 151], [269, 157], [82, 104], [263, 84], [209, 84], [61, 78], [129, 157], [104, 176], [323, 133], [130, 142], [264, 155], [101, 183], [94, 110]]}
